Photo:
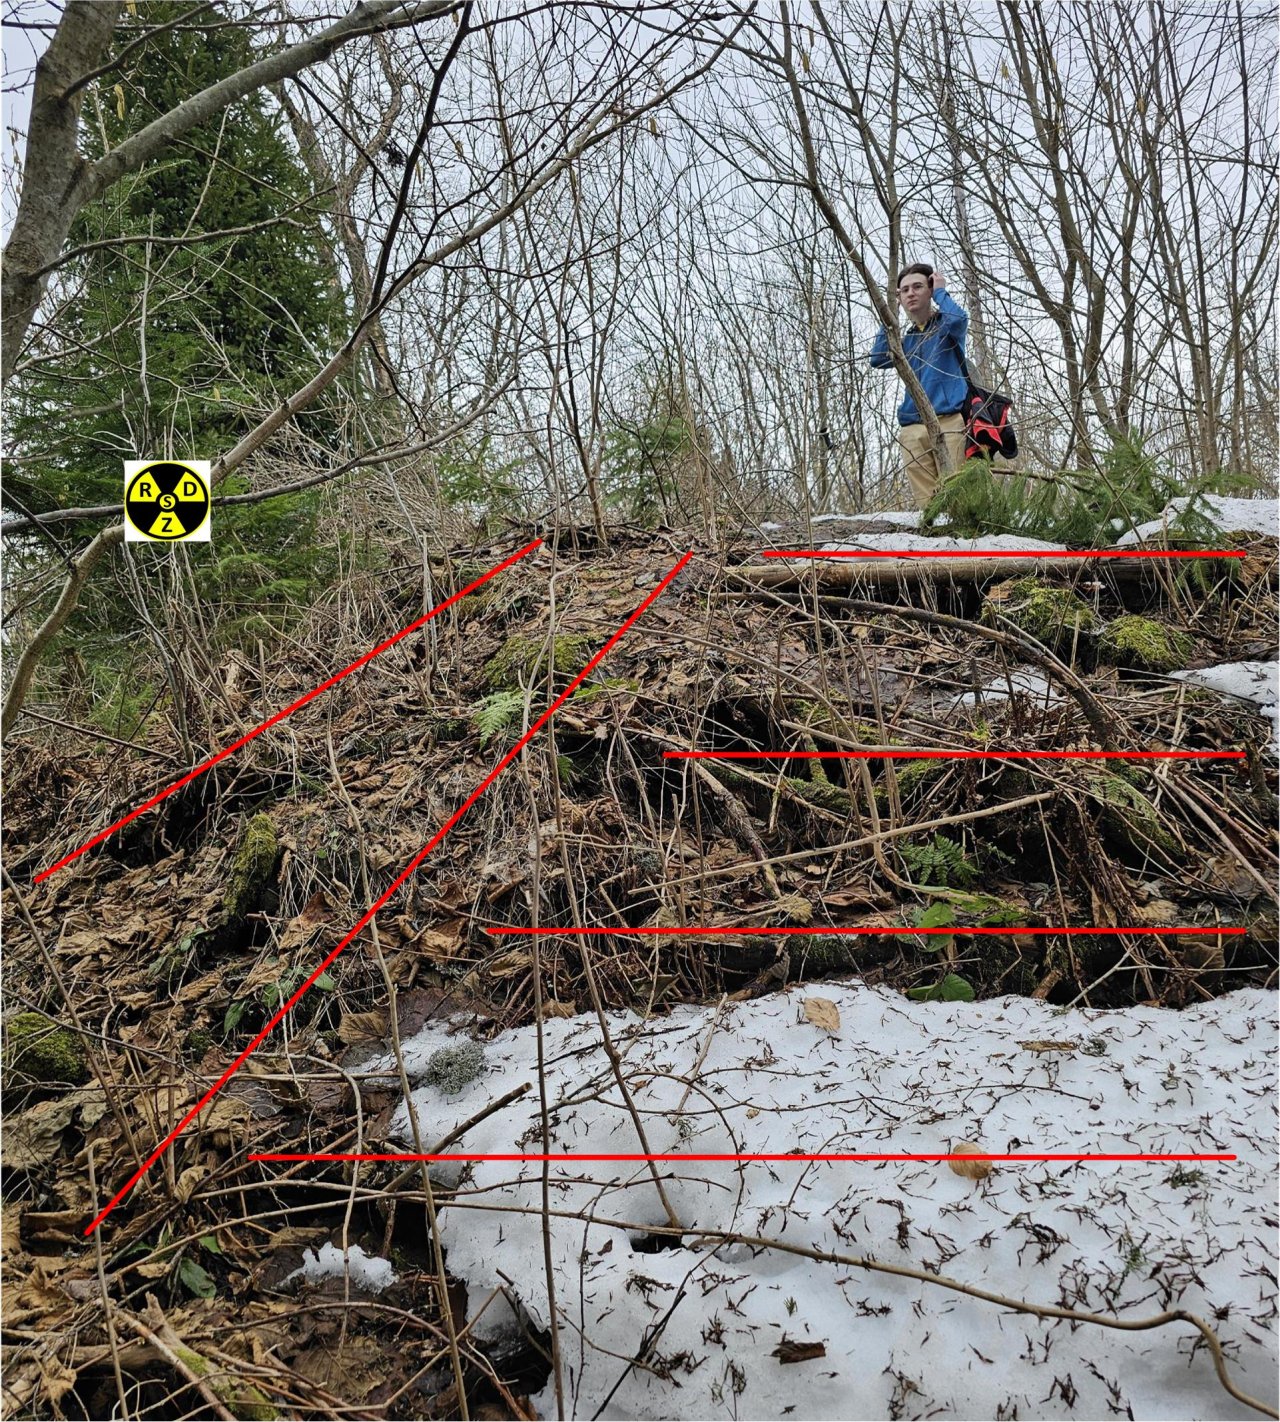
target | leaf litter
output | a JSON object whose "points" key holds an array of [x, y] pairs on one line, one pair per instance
{"points": [[170, 990]]}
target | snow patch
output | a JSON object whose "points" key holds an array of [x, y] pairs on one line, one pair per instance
{"points": [[368, 1271], [1026, 683], [1258, 682], [1230, 515], [1123, 1238], [943, 544]]}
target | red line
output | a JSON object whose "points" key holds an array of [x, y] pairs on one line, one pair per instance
{"points": [[378, 903], [280, 715], [953, 755], [575, 1155], [1005, 553], [508, 930]]}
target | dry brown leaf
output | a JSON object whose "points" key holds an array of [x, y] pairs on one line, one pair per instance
{"points": [[58, 1380], [1049, 1046], [970, 1169], [822, 1012], [791, 1351], [553, 1008], [301, 930], [184, 1186], [33, 1137], [363, 1027], [507, 965], [1208, 956]]}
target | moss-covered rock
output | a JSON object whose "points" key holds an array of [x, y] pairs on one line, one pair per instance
{"points": [[251, 869], [521, 656], [1054, 616], [1141, 642], [42, 1051]]}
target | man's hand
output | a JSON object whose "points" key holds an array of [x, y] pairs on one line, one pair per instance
{"points": [[939, 280]]}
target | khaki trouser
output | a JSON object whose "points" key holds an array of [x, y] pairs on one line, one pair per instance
{"points": [[918, 457]]}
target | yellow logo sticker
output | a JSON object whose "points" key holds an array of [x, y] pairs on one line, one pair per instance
{"points": [[166, 501]]}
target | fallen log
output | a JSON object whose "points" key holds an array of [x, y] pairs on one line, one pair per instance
{"points": [[878, 571]]}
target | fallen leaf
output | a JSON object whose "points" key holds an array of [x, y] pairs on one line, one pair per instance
{"points": [[58, 1380], [184, 1186], [33, 1138], [363, 1027], [1161, 911], [970, 1169], [553, 1008], [1049, 1046], [1209, 956], [822, 1012], [790, 1351]]}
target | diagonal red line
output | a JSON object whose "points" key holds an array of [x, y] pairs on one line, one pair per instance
{"points": [[569, 1156], [1004, 553], [280, 715], [378, 903]]}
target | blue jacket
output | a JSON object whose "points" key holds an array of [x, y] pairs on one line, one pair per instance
{"points": [[931, 352]]}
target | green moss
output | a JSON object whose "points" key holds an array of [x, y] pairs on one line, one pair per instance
{"points": [[821, 793], [521, 657], [251, 869], [199, 1040], [40, 1050], [240, 1398], [1133, 641], [1054, 616]]}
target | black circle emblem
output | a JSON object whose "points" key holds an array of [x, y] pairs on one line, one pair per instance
{"points": [[167, 501]]}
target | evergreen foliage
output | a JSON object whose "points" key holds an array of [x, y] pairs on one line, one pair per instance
{"points": [[1079, 508], [642, 463], [179, 350]]}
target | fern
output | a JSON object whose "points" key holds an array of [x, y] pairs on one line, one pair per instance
{"points": [[497, 714], [940, 861]]}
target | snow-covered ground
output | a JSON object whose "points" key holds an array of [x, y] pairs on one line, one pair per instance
{"points": [[944, 544], [903, 519], [1257, 682], [1230, 515], [1128, 1239]]}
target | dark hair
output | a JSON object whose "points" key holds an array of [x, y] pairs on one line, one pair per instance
{"points": [[917, 268]]}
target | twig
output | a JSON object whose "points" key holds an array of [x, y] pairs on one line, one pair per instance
{"points": [[433, 1223], [166, 1342], [112, 1340]]}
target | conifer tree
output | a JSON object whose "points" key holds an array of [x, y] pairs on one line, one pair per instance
{"points": [[175, 348]]}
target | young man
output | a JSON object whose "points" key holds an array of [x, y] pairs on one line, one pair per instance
{"points": [[933, 342]]}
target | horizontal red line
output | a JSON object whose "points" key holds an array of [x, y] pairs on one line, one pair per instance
{"points": [[952, 755], [507, 930], [1004, 553], [678, 1159]]}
